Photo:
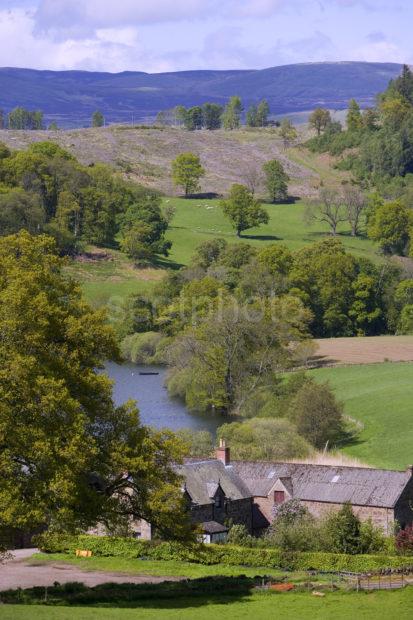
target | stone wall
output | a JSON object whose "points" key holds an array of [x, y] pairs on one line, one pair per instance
{"points": [[381, 517], [404, 507]]}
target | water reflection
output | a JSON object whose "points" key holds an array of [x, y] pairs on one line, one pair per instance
{"points": [[156, 407]]}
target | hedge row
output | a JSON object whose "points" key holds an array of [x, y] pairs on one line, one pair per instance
{"points": [[221, 554]]}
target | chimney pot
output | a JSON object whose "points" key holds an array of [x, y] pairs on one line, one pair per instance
{"points": [[222, 453]]}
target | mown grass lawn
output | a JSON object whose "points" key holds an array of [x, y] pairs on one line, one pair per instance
{"points": [[381, 397], [259, 606], [163, 568], [196, 221]]}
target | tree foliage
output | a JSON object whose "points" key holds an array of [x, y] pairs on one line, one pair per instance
{"points": [[187, 172], [69, 458], [243, 210], [276, 180], [319, 119]]}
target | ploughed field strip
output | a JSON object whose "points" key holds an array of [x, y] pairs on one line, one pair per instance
{"points": [[365, 350]]}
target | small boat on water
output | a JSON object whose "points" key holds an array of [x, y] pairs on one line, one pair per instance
{"points": [[149, 373]]}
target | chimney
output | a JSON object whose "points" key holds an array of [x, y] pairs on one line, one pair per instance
{"points": [[222, 453]]}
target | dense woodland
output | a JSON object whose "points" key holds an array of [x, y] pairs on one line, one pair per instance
{"points": [[45, 189]]}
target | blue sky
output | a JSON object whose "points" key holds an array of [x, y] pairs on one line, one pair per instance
{"points": [[169, 35]]}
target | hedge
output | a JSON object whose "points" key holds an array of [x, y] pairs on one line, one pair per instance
{"points": [[229, 555]]}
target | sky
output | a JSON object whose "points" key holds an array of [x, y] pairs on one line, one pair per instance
{"points": [[174, 35]]}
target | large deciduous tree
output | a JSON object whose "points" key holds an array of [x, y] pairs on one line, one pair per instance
{"points": [[243, 209], [187, 171], [68, 457]]}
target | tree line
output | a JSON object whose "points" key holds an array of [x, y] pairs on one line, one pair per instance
{"points": [[216, 116]]}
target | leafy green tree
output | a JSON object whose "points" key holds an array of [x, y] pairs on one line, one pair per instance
{"points": [[20, 210], [69, 457], [179, 113], [231, 117], [98, 120], [212, 114], [198, 443], [276, 180], [53, 126], [232, 350], [264, 439], [251, 116], [187, 172], [208, 252], [319, 119], [354, 117], [389, 226], [317, 414], [288, 132], [143, 228], [243, 210], [344, 530], [2, 120], [20, 118], [405, 325], [263, 111], [194, 118]]}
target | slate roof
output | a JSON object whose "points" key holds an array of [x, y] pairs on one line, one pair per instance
{"points": [[325, 483], [213, 527], [202, 479]]}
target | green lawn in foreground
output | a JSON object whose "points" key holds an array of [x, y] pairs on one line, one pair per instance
{"points": [[260, 606], [381, 397], [161, 568], [199, 220]]}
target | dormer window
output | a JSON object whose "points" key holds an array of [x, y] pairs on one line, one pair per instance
{"points": [[279, 497], [218, 502]]}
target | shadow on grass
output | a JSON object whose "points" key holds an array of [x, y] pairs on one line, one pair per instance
{"points": [[261, 237], [168, 594], [166, 263]]}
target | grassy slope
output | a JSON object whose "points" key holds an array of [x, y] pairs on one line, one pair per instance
{"points": [[380, 396], [260, 606], [199, 220], [107, 282]]}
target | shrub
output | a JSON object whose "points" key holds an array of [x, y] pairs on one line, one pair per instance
{"points": [[229, 555], [404, 540]]}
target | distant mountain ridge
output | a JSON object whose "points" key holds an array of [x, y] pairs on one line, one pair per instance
{"points": [[70, 97]]}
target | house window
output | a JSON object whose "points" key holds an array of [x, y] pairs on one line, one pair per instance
{"points": [[279, 497], [217, 501]]}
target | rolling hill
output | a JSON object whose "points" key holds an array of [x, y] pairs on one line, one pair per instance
{"points": [[70, 97]]}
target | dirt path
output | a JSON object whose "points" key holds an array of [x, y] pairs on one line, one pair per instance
{"points": [[19, 573]]}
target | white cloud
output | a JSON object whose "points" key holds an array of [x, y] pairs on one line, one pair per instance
{"points": [[380, 51]]}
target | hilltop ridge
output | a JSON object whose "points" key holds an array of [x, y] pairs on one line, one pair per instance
{"points": [[70, 97]]}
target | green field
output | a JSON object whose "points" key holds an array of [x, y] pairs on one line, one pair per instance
{"points": [[260, 606], [196, 221], [162, 568], [381, 397]]}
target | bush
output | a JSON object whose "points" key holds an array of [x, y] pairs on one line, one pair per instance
{"points": [[229, 555]]}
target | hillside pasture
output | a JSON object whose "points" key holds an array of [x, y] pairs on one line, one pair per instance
{"points": [[198, 220], [380, 397]]}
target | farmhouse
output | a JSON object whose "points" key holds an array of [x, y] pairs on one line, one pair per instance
{"points": [[220, 492]]}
